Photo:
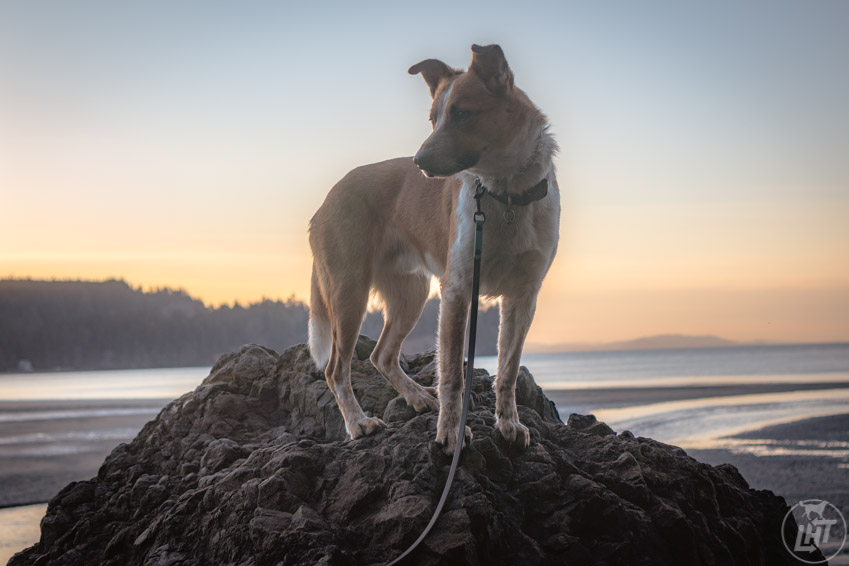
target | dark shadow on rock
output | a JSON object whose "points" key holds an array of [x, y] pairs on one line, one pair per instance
{"points": [[253, 467]]}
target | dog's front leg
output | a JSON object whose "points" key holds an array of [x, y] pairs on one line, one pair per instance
{"points": [[453, 313], [517, 313]]}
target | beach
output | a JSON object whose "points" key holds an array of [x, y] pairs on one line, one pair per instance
{"points": [[785, 432], [44, 445], [34, 474], [801, 459], [796, 477], [51, 444]]}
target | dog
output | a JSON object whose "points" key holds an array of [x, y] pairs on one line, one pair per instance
{"points": [[389, 227]]}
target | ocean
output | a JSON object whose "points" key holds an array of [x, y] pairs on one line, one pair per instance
{"points": [[79, 411], [701, 398], [687, 367]]}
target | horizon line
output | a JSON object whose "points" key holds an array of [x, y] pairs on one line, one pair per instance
{"points": [[640, 343]]}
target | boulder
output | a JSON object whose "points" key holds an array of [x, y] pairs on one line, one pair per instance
{"points": [[254, 468]]}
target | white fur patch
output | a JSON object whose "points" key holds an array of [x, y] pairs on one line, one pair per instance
{"points": [[442, 113], [319, 342], [462, 249]]}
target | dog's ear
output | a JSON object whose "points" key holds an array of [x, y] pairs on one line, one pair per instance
{"points": [[434, 72], [489, 64]]}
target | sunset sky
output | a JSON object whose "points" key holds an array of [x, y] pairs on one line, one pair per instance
{"points": [[704, 160]]}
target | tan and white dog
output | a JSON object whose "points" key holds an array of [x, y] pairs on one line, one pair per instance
{"points": [[387, 228]]}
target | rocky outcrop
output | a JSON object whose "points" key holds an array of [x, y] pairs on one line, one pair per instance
{"points": [[253, 467]]}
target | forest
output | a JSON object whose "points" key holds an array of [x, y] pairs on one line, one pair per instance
{"points": [[76, 325]]}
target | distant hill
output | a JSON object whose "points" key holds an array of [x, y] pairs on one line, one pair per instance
{"points": [[658, 342], [673, 341], [49, 325]]}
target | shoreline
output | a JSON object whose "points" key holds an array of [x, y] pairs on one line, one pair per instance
{"points": [[797, 474], [535, 349], [44, 445], [615, 397]]}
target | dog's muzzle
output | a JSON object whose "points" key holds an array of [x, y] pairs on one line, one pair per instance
{"points": [[435, 168], [418, 161]]}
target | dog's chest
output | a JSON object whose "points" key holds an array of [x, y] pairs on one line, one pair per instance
{"points": [[516, 254]]}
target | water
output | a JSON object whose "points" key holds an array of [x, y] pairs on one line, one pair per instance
{"points": [[688, 367], [20, 529], [703, 421], [58, 427], [60, 421], [118, 384]]}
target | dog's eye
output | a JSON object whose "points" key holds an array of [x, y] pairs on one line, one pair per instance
{"points": [[458, 114]]}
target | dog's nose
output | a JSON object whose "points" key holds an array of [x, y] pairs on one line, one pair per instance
{"points": [[418, 160]]}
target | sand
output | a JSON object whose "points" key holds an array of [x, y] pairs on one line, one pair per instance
{"points": [[37, 475], [65, 449], [794, 477], [797, 478]]}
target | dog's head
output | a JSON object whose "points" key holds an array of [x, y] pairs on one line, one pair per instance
{"points": [[476, 114]]}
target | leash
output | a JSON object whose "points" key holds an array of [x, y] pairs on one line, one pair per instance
{"points": [[480, 218]]}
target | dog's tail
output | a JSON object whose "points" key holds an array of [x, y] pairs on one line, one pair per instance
{"points": [[320, 339]]}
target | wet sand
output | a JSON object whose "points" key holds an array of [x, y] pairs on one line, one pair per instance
{"points": [[795, 477], [70, 439], [46, 445]]}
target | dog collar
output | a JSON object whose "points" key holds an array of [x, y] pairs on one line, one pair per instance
{"points": [[535, 193]]}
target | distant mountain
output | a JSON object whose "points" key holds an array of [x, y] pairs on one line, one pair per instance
{"points": [[674, 341], [658, 342]]}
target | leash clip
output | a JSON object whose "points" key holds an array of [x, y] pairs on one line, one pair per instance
{"points": [[479, 190], [480, 217]]}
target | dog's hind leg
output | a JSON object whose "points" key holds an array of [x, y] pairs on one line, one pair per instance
{"points": [[517, 312], [320, 340], [347, 316], [404, 297]]}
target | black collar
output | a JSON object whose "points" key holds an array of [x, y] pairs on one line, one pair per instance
{"points": [[535, 193]]}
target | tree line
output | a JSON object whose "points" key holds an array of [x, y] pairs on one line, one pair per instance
{"points": [[51, 325]]}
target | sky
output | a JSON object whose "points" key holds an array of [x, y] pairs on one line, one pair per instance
{"points": [[704, 164]]}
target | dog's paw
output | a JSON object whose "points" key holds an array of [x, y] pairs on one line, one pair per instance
{"points": [[365, 427], [423, 399], [448, 439], [514, 432]]}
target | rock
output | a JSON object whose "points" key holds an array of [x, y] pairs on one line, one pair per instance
{"points": [[253, 468]]}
